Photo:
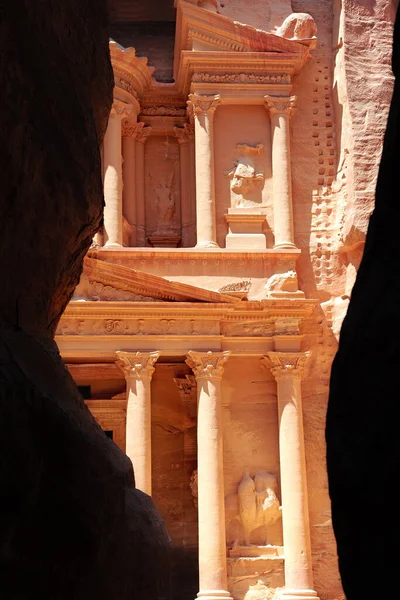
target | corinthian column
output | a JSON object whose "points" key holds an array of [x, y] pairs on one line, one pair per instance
{"points": [[129, 131], [287, 368], [208, 370], [113, 175], [184, 136], [141, 138], [138, 369], [281, 110], [204, 108]]}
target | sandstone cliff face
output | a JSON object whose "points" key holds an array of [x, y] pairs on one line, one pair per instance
{"points": [[362, 87], [363, 416], [72, 524]]}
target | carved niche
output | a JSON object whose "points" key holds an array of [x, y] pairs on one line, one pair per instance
{"points": [[253, 510], [247, 177], [163, 221]]}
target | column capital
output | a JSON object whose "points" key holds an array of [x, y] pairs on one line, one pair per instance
{"points": [[207, 365], [137, 365], [184, 134], [280, 105], [204, 104], [130, 129], [286, 365], [121, 108], [142, 132]]}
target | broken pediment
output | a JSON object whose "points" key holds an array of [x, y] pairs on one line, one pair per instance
{"points": [[104, 281], [199, 29]]}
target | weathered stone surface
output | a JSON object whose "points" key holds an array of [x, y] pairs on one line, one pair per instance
{"points": [[72, 524], [363, 416]]}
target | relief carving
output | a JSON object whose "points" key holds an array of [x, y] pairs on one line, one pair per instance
{"points": [[165, 204], [70, 326], [194, 487], [282, 282], [256, 506], [247, 178], [249, 329], [239, 286]]}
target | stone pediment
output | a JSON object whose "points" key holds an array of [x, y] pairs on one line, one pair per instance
{"points": [[199, 29], [104, 281]]}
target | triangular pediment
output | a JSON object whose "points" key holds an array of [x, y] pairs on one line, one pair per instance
{"points": [[105, 281], [202, 30]]}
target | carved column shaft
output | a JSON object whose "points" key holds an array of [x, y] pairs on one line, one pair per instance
{"points": [[204, 108], [184, 136], [287, 369], [208, 370], [129, 131], [113, 231], [142, 136], [138, 369], [280, 110]]}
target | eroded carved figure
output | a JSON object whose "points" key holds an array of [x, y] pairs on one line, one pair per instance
{"points": [[165, 203], [298, 26], [256, 506], [246, 176]]}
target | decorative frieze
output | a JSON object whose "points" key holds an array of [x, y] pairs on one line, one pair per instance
{"points": [[163, 111], [283, 78]]}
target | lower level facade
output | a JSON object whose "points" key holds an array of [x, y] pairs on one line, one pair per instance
{"points": [[203, 388]]}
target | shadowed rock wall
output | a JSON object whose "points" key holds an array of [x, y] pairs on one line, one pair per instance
{"points": [[71, 523], [364, 409]]}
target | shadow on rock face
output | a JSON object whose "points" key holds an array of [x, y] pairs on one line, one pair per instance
{"points": [[363, 441], [72, 525]]}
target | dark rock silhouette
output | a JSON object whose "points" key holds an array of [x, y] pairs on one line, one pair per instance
{"points": [[363, 441], [72, 526]]}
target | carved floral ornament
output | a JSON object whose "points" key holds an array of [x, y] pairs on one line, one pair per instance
{"points": [[286, 365], [207, 365], [204, 104], [280, 106], [137, 365], [131, 129]]}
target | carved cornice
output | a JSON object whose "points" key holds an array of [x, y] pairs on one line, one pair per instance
{"points": [[280, 106], [132, 74], [184, 134], [207, 365], [204, 104], [286, 365], [137, 365]]}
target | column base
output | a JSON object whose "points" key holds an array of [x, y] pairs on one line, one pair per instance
{"points": [[206, 244], [214, 595], [285, 246], [287, 594], [111, 245]]}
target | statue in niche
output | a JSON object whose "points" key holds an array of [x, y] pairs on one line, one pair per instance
{"points": [[256, 506], [165, 203], [246, 176]]}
